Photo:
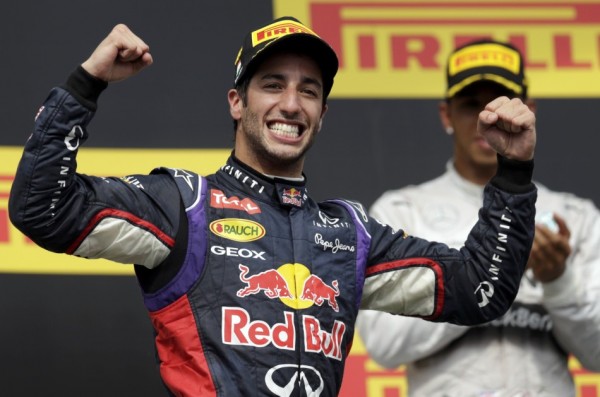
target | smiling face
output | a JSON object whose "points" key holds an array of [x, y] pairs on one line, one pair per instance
{"points": [[474, 158], [281, 114]]}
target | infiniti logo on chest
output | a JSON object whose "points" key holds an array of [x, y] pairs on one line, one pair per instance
{"points": [[284, 379]]}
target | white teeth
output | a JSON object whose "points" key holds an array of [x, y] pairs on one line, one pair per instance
{"points": [[285, 130]]}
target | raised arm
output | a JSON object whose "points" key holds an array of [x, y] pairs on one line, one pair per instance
{"points": [[573, 298], [64, 211], [479, 282]]}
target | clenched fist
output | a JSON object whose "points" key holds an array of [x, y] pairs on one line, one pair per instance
{"points": [[509, 127], [119, 56]]}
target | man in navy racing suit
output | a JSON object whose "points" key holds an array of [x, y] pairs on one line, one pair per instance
{"points": [[252, 287]]}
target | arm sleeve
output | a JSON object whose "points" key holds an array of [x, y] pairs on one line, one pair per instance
{"points": [[395, 340], [478, 283], [131, 220], [573, 300]]}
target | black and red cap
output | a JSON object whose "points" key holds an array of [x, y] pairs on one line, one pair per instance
{"points": [[285, 32], [486, 60]]}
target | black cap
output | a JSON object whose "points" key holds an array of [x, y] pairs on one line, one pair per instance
{"points": [[289, 32], [488, 60]]}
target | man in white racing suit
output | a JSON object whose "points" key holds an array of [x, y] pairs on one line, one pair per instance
{"points": [[557, 310]]}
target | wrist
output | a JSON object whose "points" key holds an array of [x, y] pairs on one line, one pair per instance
{"points": [[562, 290], [514, 176], [85, 87]]}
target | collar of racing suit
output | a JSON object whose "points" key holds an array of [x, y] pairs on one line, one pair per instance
{"points": [[289, 193]]}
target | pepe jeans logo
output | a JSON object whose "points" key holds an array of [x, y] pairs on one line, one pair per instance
{"points": [[334, 246], [235, 229]]}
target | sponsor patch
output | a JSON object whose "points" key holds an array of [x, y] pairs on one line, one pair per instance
{"points": [[238, 229], [278, 29], [219, 200], [292, 196], [484, 55]]}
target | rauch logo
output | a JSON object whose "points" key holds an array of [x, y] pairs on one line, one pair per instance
{"points": [[238, 229]]}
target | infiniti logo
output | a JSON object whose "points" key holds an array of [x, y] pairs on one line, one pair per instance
{"points": [[283, 379], [327, 220], [73, 137], [486, 291]]}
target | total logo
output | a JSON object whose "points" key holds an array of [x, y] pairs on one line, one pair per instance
{"points": [[219, 200], [238, 229], [293, 284]]}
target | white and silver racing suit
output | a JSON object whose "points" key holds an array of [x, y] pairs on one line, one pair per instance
{"points": [[525, 353]]}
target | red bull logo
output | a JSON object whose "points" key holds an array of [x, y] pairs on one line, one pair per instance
{"points": [[297, 288], [315, 290], [293, 192], [239, 329], [292, 196], [293, 284], [270, 282]]}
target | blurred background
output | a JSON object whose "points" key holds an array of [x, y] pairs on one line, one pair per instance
{"points": [[82, 330]]}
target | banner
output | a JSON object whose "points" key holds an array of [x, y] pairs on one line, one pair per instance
{"points": [[398, 48], [20, 255]]}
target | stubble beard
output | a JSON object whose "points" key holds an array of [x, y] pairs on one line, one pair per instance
{"points": [[252, 128]]}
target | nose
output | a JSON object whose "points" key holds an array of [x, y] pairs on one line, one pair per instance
{"points": [[290, 101]]}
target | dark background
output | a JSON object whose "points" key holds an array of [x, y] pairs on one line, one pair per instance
{"points": [[90, 336]]}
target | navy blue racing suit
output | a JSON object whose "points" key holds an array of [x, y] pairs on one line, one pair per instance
{"points": [[252, 287]]}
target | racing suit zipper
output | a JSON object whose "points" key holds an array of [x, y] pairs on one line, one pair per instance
{"points": [[298, 323]]}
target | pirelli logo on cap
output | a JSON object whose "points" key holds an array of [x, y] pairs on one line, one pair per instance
{"points": [[278, 29], [484, 55]]}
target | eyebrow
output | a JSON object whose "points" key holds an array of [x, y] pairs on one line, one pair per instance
{"points": [[281, 77]]}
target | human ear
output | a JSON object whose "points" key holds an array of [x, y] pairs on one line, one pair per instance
{"points": [[235, 104]]}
